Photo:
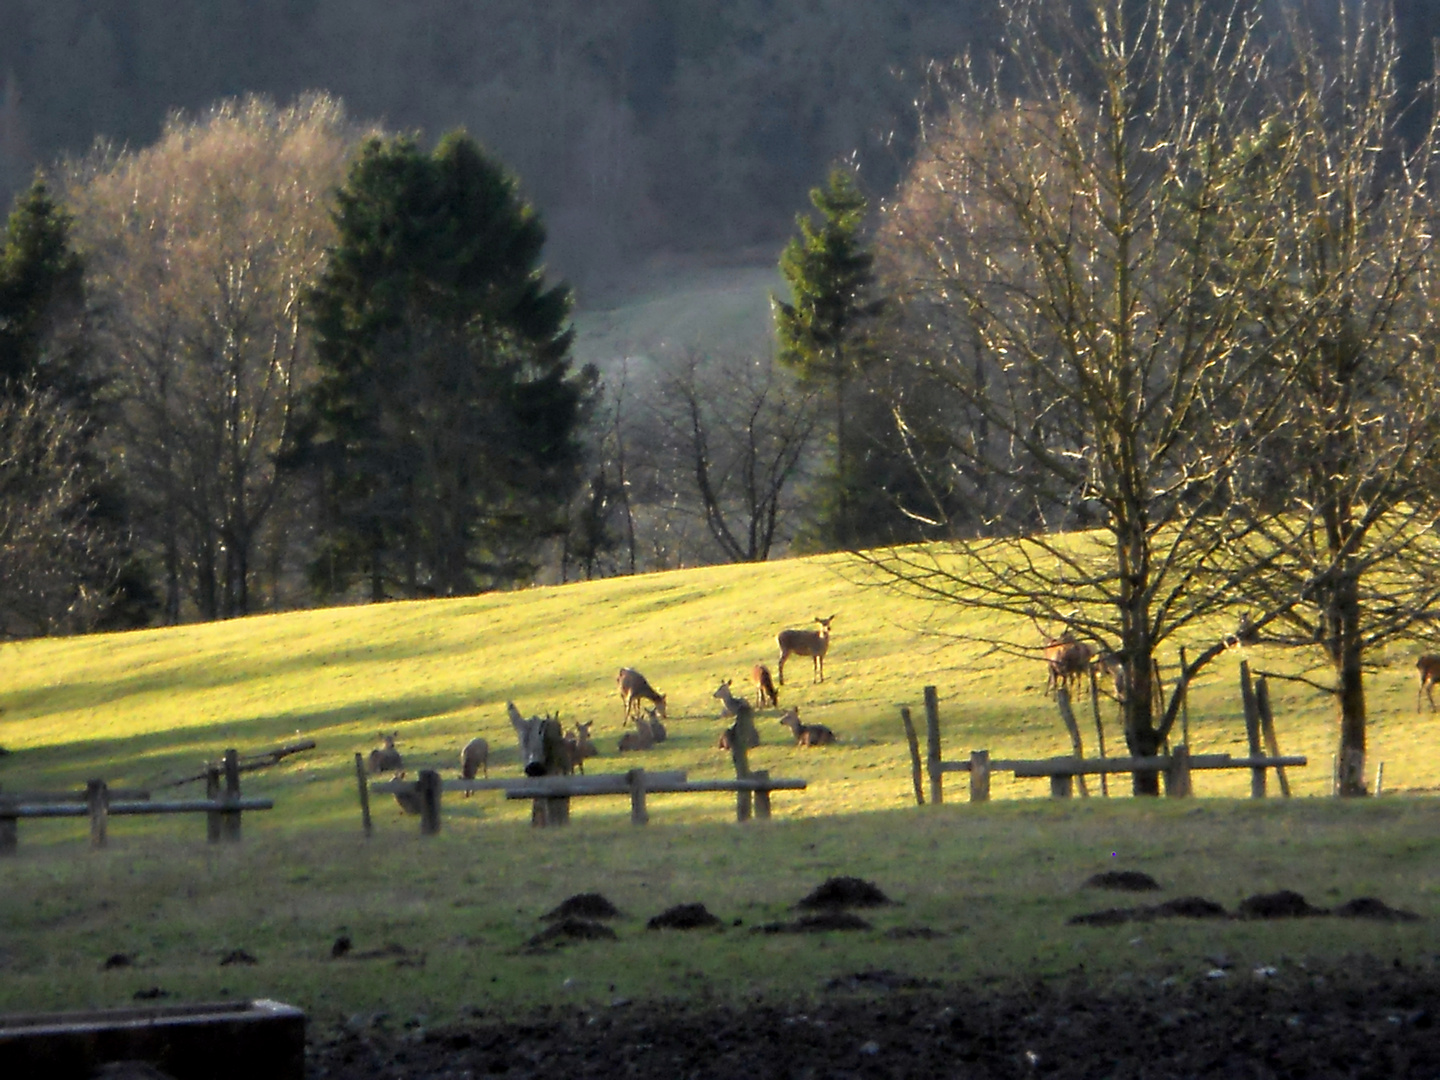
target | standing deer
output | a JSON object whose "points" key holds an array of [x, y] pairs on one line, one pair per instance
{"points": [[475, 756], [764, 687], [1067, 660], [1429, 668], [811, 643], [580, 746], [807, 734], [633, 689]]}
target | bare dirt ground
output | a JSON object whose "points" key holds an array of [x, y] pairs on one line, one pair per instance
{"points": [[1365, 1018]]}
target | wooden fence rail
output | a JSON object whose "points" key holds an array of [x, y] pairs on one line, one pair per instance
{"points": [[1063, 772], [99, 802]]}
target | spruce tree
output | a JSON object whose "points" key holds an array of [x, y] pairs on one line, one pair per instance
{"points": [[447, 414]]}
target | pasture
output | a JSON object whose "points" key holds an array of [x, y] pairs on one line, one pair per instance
{"points": [[438, 928]]}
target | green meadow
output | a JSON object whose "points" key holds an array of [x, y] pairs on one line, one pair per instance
{"points": [[983, 891]]}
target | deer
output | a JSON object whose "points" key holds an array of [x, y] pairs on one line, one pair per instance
{"points": [[642, 738], [807, 734], [386, 758], [657, 729], [811, 643], [1067, 660], [1429, 668], [727, 698], [741, 710], [727, 738], [764, 687], [475, 756], [633, 688], [580, 746], [1112, 664]]}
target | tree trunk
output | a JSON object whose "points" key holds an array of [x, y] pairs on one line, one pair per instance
{"points": [[1350, 690]]}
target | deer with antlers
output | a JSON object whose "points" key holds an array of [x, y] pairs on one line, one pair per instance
{"points": [[812, 643]]}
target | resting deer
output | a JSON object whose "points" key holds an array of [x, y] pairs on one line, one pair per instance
{"points": [[475, 756], [386, 758], [1067, 660], [642, 738], [657, 729], [633, 689], [807, 734], [764, 687], [1429, 668], [727, 698], [811, 643]]}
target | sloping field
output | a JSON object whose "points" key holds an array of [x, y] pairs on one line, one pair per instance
{"points": [[141, 707]]}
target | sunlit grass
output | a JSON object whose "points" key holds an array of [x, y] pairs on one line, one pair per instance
{"points": [[997, 881]]}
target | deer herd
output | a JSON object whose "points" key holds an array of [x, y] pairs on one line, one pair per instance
{"points": [[547, 749]]}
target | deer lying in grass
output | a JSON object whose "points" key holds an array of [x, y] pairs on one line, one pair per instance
{"points": [[1429, 668], [807, 734], [764, 687], [386, 758], [579, 745], [1067, 660], [727, 738], [473, 758], [812, 643], [642, 738], [728, 700], [633, 689]]}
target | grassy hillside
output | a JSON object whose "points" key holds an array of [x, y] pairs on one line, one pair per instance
{"points": [[984, 892], [140, 707]]}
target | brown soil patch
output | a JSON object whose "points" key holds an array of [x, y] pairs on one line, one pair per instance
{"points": [[1284, 904], [683, 917], [563, 930], [590, 905], [843, 892], [1123, 881], [1368, 907]]}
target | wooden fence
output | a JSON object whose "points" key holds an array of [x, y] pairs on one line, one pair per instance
{"points": [[99, 803], [1063, 772]]}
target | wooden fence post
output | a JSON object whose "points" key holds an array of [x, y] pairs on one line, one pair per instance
{"points": [[1099, 728], [429, 792], [97, 801], [1184, 699], [1177, 776], [364, 787], [1267, 725], [212, 793], [739, 755], [9, 833], [1067, 714], [1252, 729], [979, 775], [1061, 785], [762, 796], [638, 814], [913, 740], [230, 819], [932, 733]]}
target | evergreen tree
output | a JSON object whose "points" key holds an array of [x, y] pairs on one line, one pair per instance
{"points": [[447, 413], [829, 270], [42, 287]]}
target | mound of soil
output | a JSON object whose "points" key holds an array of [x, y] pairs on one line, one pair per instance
{"points": [[843, 892], [1189, 907], [117, 960], [1184, 907], [884, 979], [816, 924], [588, 905], [237, 956], [1368, 907], [1365, 1019], [683, 917], [912, 933], [1284, 904], [563, 930], [341, 947], [1123, 881]]}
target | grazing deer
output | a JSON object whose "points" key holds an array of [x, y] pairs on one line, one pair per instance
{"points": [[386, 758], [811, 643], [1067, 660], [642, 738], [634, 688], [1429, 668], [474, 757], [807, 734], [580, 746], [764, 687]]}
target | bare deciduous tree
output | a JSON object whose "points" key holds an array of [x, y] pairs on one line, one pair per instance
{"points": [[200, 251]]}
